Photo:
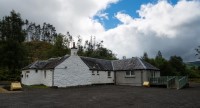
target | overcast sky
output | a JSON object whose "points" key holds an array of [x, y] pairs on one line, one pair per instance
{"points": [[128, 27]]}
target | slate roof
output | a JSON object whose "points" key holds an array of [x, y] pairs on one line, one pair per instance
{"points": [[46, 64], [36, 65], [54, 62], [132, 64], [97, 64]]}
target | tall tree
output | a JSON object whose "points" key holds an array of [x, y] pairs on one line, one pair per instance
{"points": [[145, 57], [198, 51], [58, 48], [45, 33], [178, 64], [159, 54], [11, 37]]}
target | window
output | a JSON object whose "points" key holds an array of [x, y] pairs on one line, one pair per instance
{"points": [[153, 74], [109, 74], [93, 73], [130, 74], [26, 74], [45, 74]]}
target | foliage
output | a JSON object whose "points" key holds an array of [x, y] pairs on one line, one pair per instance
{"points": [[198, 51], [41, 86], [37, 50], [58, 48], [173, 66], [45, 33], [11, 48], [95, 50]]}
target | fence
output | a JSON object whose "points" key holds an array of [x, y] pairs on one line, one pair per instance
{"points": [[177, 82]]}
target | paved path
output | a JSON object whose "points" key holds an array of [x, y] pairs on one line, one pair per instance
{"points": [[104, 96]]}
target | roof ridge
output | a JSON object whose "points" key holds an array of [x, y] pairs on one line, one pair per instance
{"points": [[95, 58], [142, 63], [125, 59], [112, 65]]}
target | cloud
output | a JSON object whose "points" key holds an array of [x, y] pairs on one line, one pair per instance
{"points": [[65, 15], [173, 29]]}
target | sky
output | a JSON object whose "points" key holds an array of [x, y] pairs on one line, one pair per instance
{"points": [[127, 27]]}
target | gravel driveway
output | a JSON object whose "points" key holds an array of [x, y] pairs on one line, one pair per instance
{"points": [[103, 96]]}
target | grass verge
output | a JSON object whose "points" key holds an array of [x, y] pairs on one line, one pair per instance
{"points": [[196, 80], [36, 86]]}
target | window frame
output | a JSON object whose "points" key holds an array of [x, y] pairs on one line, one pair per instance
{"points": [[45, 74], [130, 74], [109, 74], [153, 74], [93, 72]]}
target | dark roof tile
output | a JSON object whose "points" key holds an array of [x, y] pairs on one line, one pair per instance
{"points": [[46, 64], [97, 64]]}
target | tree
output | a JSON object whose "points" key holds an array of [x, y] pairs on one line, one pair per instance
{"points": [[198, 68], [159, 55], [11, 48], [145, 56], [37, 50], [45, 33], [159, 60], [58, 48], [177, 63], [198, 51]]}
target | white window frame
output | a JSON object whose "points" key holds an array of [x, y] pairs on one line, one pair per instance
{"points": [[153, 74], [130, 74]]}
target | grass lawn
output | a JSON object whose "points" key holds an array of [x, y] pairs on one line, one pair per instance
{"points": [[2, 90], [35, 86], [196, 80]]}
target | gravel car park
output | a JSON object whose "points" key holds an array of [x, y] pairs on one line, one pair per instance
{"points": [[103, 96]]}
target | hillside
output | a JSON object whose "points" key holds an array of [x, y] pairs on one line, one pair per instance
{"points": [[194, 63]]}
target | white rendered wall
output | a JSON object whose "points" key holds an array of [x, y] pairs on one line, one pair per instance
{"points": [[72, 72], [102, 77], [36, 78], [31, 78], [48, 79]]}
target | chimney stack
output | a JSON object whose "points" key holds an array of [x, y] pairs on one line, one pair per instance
{"points": [[74, 50]]}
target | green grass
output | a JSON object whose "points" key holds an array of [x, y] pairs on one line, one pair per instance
{"points": [[196, 80], [2, 90], [36, 86]]}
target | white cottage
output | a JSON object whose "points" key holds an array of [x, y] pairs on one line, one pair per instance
{"points": [[75, 70]]}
